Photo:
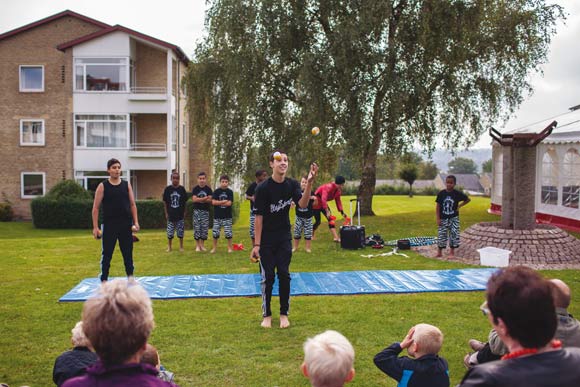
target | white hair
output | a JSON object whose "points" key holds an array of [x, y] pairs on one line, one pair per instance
{"points": [[78, 337], [429, 338], [328, 357]]}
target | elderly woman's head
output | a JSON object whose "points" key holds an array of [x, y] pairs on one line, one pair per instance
{"points": [[118, 321]]}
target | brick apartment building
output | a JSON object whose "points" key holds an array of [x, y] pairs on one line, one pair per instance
{"points": [[76, 92]]}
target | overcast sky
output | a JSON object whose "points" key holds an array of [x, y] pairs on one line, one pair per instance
{"points": [[181, 22]]}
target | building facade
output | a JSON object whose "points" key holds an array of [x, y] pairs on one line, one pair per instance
{"points": [[77, 92]]}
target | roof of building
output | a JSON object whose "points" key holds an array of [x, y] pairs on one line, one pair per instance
{"points": [[105, 29], [178, 51], [50, 19], [469, 181]]}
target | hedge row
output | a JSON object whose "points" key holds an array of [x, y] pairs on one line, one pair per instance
{"points": [[77, 213], [5, 212]]}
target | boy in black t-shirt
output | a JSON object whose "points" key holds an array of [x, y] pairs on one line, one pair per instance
{"points": [[222, 200], [201, 197], [303, 223], [261, 175], [174, 198], [273, 243], [449, 201]]}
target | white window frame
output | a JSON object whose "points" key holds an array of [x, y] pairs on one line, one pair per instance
{"points": [[21, 88], [75, 121], [22, 121], [84, 66], [22, 174], [184, 135]]}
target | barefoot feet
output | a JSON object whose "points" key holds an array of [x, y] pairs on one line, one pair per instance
{"points": [[267, 322], [284, 322]]}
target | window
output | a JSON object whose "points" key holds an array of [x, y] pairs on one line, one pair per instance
{"points": [[101, 74], [102, 131], [32, 184], [498, 175], [184, 135], [549, 178], [571, 179], [31, 78], [31, 132], [90, 180]]}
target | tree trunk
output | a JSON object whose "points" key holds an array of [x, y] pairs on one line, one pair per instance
{"points": [[410, 190], [366, 190]]}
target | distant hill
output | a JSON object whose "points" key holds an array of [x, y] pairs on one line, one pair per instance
{"points": [[442, 157]]}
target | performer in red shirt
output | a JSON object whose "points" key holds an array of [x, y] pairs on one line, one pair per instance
{"points": [[326, 193]]}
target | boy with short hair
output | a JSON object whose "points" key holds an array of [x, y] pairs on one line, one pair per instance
{"points": [[423, 342], [201, 197], [303, 222], [328, 360], [119, 217], [222, 200], [174, 199], [449, 201], [261, 175]]}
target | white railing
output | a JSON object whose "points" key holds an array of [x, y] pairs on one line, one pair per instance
{"points": [[148, 90], [149, 147]]}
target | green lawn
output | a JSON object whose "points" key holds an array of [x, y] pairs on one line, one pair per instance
{"points": [[219, 342]]}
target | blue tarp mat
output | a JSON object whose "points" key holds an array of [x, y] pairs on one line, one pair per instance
{"points": [[316, 283]]}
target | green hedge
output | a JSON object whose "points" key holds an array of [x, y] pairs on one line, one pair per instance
{"points": [[6, 213], [77, 213]]}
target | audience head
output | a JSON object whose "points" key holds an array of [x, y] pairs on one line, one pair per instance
{"points": [[521, 306], [151, 356], [78, 337], [340, 180], [560, 293], [118, 321], [427, 340], [328, 360]]}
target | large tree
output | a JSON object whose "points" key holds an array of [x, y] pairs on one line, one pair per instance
{"points": [[373, 75], [462, 165]]}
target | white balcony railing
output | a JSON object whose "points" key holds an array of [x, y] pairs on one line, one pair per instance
{"points": [[148, 90], [149, 147]]}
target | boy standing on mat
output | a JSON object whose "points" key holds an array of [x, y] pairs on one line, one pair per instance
{"points": [[273, 239], [174, 199], [119, 214], [449, 201]]}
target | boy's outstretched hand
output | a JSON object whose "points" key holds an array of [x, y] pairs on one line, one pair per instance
{"points": [[408, 340], [313, 172]]}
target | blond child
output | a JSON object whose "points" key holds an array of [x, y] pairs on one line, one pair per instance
{"points": [[328, 360]]}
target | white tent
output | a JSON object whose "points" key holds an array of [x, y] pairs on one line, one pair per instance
{"points": [[557, 198]]}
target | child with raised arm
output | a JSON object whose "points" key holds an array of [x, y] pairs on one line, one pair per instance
{"points": [[427, 369], [222, 200], [303, 223], [449, 201]]}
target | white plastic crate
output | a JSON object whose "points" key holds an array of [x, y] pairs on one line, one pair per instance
{"points": [[492, 256]]}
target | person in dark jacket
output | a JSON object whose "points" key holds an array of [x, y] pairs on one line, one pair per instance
{"points": [[73, 363], [118, 322], [522, 312], [423, 343]]}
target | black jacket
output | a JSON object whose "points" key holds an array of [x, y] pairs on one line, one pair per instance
{"points": [[559, 368], [428, 370], [72, 363]]}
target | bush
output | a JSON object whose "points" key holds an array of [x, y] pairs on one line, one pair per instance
{"points": [[391, 190], [6, 213], [68, 189], [70, 213], [429, 191], [151, 214]]}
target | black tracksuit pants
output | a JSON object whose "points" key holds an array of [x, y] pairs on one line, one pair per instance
{"points": [[113, 231], [274, 258]]}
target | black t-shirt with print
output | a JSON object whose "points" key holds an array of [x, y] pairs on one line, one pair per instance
{"points": [[305, 212], [175, 199], [273, 203], [448, 202], [201, 193], [223, 212], [251, 191]]}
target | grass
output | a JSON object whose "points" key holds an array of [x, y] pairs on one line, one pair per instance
{"points": [[218, 342]]}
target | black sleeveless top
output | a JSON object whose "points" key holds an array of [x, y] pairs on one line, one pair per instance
{"points": [[116, 205]]}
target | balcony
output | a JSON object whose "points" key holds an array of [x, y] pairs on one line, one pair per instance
{"points": [[148, 93], [148, 150]]}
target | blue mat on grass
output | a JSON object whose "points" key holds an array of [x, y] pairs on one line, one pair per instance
{"points": [[310, 283]]}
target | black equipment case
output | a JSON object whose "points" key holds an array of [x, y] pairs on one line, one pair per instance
{"points": [[353, 237]]}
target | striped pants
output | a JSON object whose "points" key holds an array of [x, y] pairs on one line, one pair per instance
{"points": [[252, 225], [200, 224], [448, 231], [178, 225], [226, 224], [303, 225]]}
